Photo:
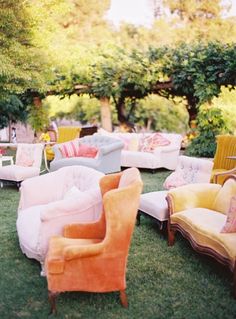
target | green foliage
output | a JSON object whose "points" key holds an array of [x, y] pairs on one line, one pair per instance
{"points": [[38, 117], [159, 114], [11, 110], [210, 123]]}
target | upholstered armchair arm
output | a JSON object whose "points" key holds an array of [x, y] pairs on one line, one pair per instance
{"points": [[192, 195], [57, 152], [166, 149], [216, 176], [69, 206], [106, 149], [74, 252], [87, 230], [109, 182]]}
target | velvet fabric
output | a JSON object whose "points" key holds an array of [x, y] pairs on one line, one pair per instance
{"points": [[200, 210], [93, 257], [226, 146]]}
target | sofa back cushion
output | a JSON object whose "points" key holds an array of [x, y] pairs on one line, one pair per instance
{"points": [[223, 198]]}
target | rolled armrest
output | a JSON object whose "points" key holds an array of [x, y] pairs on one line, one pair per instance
{"points": [[69, 206], [39, 190], [106, 149], [74, 252], [166, 149], [192, 195]]}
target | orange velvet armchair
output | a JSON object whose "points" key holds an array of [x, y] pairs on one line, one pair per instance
{"points": [[93, 257]]}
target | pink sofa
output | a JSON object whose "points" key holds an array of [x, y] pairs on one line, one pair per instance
{"points": [[50, 201]]}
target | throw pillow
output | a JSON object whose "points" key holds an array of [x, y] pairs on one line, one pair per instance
{"points": [[151, 142], [230, 225], [87, 151], [174, 180], [69, 149], [72, 192], [133, 144], [24, 160]]}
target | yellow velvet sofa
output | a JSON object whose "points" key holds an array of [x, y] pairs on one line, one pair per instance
{"points": [[65, 134], [198, 212], [223, 165]]}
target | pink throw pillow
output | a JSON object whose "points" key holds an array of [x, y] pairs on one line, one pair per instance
{"points": [[69, 149], [230, 225], [87, 151], [24, 160], [149, 143], [174, 180]]}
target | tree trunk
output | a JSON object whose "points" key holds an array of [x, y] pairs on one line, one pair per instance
{"points": [[192, 108], [106, 114]]}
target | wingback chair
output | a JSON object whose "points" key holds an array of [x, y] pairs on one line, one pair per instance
{"points": [[189, 170], [27, 164], [223, 165], [93, 257]]}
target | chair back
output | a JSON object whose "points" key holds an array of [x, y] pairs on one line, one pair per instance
{"points": [[194, 170], [120, 208], [226, 146], [67, 133], [31, 154]]}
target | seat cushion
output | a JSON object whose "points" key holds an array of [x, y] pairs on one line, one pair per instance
{"points": [[18, 173], [204, 226], [155, 205]]}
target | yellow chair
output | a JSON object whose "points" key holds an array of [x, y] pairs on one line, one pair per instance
{"points": [[223, 165], [65, 134]]}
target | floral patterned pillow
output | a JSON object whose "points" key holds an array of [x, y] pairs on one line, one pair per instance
{"points": [[151, 142], [174, 180], [230, 225]]}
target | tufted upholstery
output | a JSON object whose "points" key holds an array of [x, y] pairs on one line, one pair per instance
{"points": [[44, 210], [107, 160], [189, 170]]}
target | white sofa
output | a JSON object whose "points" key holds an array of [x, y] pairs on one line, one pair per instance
{"points": [[162, 156], [49, 202]]}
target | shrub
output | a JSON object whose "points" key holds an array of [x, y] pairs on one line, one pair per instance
{"points": [[210, 122]]}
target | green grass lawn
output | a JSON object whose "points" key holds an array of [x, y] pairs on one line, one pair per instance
{"points": [[162, 282]]}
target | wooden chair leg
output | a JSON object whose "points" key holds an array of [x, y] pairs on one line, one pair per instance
{"points": [[52, 301], [171, 235], [234, 281], [138, 218], [123, 298]]}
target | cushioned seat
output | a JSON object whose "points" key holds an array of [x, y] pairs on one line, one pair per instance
{"points": [[189, 170], [28, 163], [50, 201], [206, 215]]}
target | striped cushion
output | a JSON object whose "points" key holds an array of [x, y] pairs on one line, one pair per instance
{"points": [[69, 149]]}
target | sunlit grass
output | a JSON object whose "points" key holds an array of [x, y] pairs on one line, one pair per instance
{"points": [[162, 282]]}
